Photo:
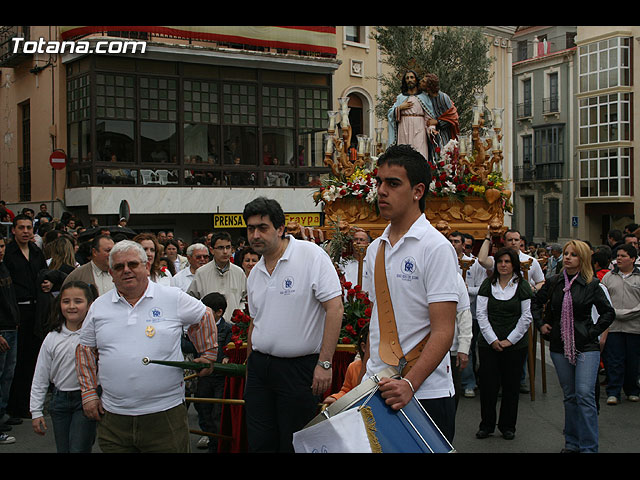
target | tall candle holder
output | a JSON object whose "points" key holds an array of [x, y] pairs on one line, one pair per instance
{"points": [[339, 155], [483, 152]]}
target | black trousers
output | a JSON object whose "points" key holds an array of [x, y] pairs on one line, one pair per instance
{"points": [[28, 348], [278, 400], [443, 412], [500, 369]]}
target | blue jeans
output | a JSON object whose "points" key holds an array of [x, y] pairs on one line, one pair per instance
{"points": [[74, 433], [578, 384], [621, 361], [7, 367]]}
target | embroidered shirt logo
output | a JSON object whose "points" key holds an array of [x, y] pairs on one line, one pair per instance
{"points": [[155, 314], [408, 269], [287, 286]]}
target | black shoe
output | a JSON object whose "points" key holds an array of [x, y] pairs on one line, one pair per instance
{"points": [[508, 435], [482, 433], [566, 450], [14, 421]]}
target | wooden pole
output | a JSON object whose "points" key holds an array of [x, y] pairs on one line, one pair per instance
{"points": [[531, 359]]}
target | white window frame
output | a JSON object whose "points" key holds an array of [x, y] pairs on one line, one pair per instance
{"points": [[594, 64], [594, 172]]}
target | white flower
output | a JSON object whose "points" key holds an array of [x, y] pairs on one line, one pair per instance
{"points": [[372, 196]]}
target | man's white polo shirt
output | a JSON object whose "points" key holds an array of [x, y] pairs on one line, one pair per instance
{"points": [[183, 279], [286, 306], [422, 268], [124, 335]]}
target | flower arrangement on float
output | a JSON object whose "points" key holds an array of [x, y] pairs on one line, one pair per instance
{"points": [[360, 185], [357, 313], [453, 178], [240, 327]]}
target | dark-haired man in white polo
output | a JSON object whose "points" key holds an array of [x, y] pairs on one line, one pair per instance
{"points": [[295, 301]]}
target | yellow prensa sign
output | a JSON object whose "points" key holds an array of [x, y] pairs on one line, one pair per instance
{"points": [[235, 220]]}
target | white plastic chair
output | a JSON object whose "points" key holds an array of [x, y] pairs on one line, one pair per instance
{"points": [[149, 177], [163, 177]]}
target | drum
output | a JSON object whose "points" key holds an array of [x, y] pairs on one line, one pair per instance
{"points": [[408, 430]]}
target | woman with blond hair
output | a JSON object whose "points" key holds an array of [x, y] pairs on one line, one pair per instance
{"points": [[152, 248], [562, 312]]}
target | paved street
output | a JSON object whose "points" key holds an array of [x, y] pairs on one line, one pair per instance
{"points": [[539, 428]]}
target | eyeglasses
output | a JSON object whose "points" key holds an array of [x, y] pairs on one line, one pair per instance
{"points": [[118, 267], [222, 247], [200, 257]]}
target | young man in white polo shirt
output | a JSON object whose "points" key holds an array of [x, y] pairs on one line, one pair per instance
{"points": [[141, 408], [421, 268], [295, 301]]}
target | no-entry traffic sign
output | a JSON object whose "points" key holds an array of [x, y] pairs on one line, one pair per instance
{"points": [[58, 159]]}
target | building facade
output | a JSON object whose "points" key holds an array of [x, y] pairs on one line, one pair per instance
{"points": [[191, 129], [544, 132], [608, 118]]}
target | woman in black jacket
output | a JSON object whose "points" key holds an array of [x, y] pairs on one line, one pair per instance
{"points": [[562, 311]]}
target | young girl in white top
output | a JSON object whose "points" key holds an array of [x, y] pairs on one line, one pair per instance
{"points": [[56, 365]]}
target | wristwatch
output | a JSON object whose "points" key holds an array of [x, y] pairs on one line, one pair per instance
{"points": [[326, 364]]}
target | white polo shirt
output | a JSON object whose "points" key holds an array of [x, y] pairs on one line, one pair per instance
{"points": [[124, 335], [183, 279], [422, 268], [286, 306]]}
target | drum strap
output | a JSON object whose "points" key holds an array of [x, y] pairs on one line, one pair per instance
{"points": [[390, 349]]}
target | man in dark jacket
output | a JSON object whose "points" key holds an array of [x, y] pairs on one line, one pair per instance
{"points": [[24, 260], [9, 317]]}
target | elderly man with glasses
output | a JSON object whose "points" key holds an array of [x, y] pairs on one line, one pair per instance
{"points": [[140, 407]]}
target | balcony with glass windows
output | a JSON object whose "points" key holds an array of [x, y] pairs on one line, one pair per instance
{"points": [[145, 130]]}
